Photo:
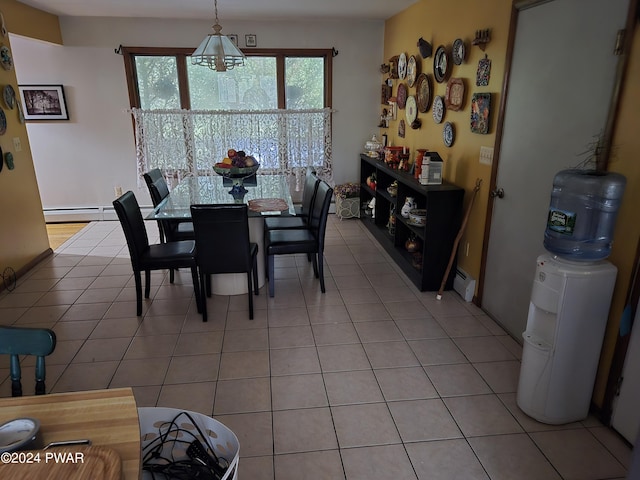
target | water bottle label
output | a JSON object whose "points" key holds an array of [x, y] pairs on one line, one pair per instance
{"points": [[561, 221]]}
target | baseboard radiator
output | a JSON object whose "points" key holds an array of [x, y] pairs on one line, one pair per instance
{"points": [[464, 284], [84, 214]]}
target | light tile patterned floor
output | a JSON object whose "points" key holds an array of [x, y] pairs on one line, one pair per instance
{"points": [[372, 379]]}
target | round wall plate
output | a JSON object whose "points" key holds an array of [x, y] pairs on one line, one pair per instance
{"points": [[402, 66], [459, 51], [423, 92], [412, 71], [438, 109], [448, 134], [401, 96], [440, 64], [411, 109]]}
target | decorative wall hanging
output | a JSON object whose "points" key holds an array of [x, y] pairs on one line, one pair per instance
{"points": [[393, 66], [480, 112], [250, 40], [454, 96], [401, 129], [5, 58], [423, 92], [459, 51], [8, 157], [411, 113], [484, 72], [9, 96], [425, 48], [3, 122], [401, 95], [385, 93], [482, 38], [402, 66], [43, 102], [413, 69], [440, 64], [448, 134], [438, 109]]}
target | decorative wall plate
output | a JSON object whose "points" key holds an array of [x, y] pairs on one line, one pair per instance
{"points": [[454, 96], [484, 72], [412, 71], [438, 109], [459, 51], [480, 112], [401, 96], [440, 64], [9, 96], [423, 92], [412, 109], [402, 66], [5, 58], [448, 134], [3, 122]]}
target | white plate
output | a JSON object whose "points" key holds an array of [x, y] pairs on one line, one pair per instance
{"points": [[402, 66], [448, 134], [438, 109], [412, 71], [411, 109]]}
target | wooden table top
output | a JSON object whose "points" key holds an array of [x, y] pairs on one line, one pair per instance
{"points": [[109, 418]]}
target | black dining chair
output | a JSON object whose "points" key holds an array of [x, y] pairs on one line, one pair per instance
{"points": [[309, 240], [171, 230], [146, 257], [16, 341], [223, 246], [301, 219]]}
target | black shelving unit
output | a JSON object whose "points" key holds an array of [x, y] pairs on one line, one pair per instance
{"points": [[443, 203]]}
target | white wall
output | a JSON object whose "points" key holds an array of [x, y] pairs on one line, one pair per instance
{"points": [[79, 162]]}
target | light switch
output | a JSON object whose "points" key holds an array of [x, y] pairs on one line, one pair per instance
{"points": [[17, 146], [486, 155]]}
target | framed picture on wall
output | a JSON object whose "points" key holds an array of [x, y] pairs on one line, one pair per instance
{"points": [[43, 102], [234, 38], [250, 40]]}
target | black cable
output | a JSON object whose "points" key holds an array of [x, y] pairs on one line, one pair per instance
{"points": [[203, 463]]}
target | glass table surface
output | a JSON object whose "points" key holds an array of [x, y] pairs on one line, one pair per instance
{"points": [[217, 189]]}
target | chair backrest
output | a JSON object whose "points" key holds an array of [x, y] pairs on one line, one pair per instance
{"points": [[16, 341], [158, 191], [152, 176], [222, 238], [132, 223], [309, 192], [320, 212]]}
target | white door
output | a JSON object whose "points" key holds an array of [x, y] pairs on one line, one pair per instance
{"points": [[561, 82], [626, 407]]}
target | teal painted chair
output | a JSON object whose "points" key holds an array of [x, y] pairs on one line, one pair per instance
{"points": [[16, 341]]}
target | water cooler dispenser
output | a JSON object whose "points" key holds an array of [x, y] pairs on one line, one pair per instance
{"points": [[570, 298]]}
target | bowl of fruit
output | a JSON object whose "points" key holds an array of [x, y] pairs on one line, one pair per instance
{"points": [[237, 164]]}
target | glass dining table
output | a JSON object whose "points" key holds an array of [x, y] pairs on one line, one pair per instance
{"points": [[266, 195]]}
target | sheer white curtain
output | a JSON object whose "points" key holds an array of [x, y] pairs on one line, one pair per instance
{"points": [[188, 142]]}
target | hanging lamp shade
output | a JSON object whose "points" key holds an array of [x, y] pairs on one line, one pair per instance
{"points": [[216, 51]]}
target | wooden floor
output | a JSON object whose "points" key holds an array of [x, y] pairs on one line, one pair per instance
{"points": [[61, 232]]}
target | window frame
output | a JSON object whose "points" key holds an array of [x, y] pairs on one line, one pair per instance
{"points": [[182, 57]]}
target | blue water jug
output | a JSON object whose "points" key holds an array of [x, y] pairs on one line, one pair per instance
{"points": [[582, 214]]}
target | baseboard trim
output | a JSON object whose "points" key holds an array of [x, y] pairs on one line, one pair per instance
{"points": [[22, 271]]}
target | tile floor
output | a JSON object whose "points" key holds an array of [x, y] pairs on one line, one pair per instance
{"points": [[373, 379]]}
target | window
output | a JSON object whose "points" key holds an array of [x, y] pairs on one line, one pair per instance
{"points": [[286, 95], [279, 78]]}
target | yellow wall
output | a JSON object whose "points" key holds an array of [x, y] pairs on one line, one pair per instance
{"points": [[441, 22], [23, 236]]}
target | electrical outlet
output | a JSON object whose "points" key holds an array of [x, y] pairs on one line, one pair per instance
{"points": [[17, 146], [466, 250], [486, 155], [118, 191]]}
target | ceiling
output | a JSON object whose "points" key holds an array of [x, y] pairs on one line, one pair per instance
{"points": [[227, 9]]}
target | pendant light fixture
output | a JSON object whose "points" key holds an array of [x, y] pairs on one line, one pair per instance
{"points": [[216, 51]]}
